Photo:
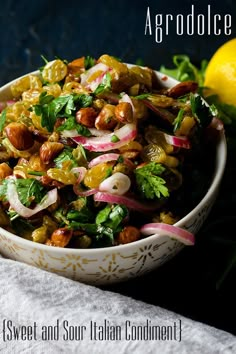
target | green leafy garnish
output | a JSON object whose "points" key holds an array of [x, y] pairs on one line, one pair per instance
{"points": [[50, 108], [3, 117], [200, 110], [105, 85], [29, 190], [149, 182], [65, 155], [89, 62], [185, 70], [143, 96], [114, 138], [178, 120], [71, 124]]}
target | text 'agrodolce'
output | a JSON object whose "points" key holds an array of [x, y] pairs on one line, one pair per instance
{"points": [[190, 24]]}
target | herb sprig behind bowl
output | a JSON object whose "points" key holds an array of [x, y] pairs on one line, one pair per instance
{"points": [[216, 236]]}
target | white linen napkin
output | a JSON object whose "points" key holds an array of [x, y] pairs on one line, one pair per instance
{"points": [[41, 312]]}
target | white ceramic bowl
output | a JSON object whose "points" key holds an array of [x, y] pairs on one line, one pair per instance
{"points": [[118, 263]]}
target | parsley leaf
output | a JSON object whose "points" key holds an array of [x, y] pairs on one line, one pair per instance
{"points": [[149, 182], [29, 190], [50, 108], [89, 62], [65, 155], [3, 117], [105, 85], [185, 70], [71, 124], [200, 110], [178, 120]]}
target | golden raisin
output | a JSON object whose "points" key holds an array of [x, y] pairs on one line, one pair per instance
{"points": [[97, 174], [54, 71]]}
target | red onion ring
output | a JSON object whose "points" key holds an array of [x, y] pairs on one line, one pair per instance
{"points": [[15, 203], [125, 134], [128, 202], [172, 231]]}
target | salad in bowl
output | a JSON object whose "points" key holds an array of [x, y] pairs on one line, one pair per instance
{"points": [[97, 153]]}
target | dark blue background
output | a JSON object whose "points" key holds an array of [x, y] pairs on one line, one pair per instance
{"points": [[70, 29]]}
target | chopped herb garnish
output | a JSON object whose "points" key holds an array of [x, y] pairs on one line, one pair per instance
{"points": [[50, 108], [114, 138], [3, 117], [89, 62], [105, 85], [71, 124], [149, 182], [178, 120], [200, 110]]}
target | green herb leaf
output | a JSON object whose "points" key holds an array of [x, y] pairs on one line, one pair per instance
{"points": [[29, 190], [149, 182], [105, 85], [114, 138], [200, 110], [143, 96], [178, 120], [65, 155], [89, 62], [50, 108], [71, 124], [184, 70], [3, 117], [103, 215]]}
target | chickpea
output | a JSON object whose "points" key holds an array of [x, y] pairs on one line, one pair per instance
{"points": [[5, 170], [124, 112], [61, 237], [86, 116], [128, 234], [49, 150], [19, 136], [106, 119]]}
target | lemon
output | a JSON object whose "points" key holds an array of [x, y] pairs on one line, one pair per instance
{"points": [[220, 76]]}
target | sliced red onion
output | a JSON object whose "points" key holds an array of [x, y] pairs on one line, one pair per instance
{"points": [[85, 77], [125, 134], [86, 193], [69, 133], [10, 102], [178, 141], [81, 171], [103, 158], [118, 184], [122, 200], [96, 132], [172, 231], [126, 98], [15, 203]]}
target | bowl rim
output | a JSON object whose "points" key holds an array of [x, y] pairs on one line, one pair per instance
{"points": [[218, 172]]}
